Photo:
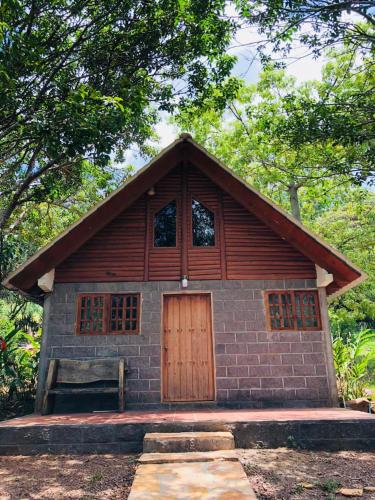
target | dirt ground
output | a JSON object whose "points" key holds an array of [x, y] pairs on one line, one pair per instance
{"points": [[277, 474], [67, 477], [273, 474]]}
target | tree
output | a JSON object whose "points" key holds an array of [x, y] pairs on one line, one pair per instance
{"points": [[348, 223], [253, 139], [318, 24], [339, 109], [81, 79]]}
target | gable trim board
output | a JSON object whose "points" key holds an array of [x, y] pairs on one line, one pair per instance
{"points": [[346, 274]]}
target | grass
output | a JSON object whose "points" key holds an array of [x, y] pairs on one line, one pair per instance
{"points": [[298, 489], [329, 486], [95, 478]]}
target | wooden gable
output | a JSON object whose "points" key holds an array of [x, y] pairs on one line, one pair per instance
{"points": [[245, 247], [257, 238]]}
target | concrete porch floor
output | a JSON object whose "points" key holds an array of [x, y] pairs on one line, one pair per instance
{"points": [[313, 428], [186, 416]]}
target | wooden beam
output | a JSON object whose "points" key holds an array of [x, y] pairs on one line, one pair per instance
{"points": [[323, 277], [327, 347], [46, 281], [183, 220]]}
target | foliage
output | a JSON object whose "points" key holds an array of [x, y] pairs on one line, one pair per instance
{"points": [[352, 357], [81, 81], [308, 131], [34, 224], [329, 486], [340, 110], [348, 223], [18, 359], [315, 23]]}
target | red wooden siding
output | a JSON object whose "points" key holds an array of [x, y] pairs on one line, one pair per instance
{"points": [[115, 253], [254, 251], [245, 247]]}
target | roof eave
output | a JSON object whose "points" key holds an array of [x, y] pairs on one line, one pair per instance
{"points": [[186, 138], [348, 287]]}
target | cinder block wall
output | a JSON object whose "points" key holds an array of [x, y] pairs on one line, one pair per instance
{"points": [[254, 367]]}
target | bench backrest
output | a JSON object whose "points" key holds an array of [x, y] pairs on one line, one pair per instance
{"points": [[72, 371]]}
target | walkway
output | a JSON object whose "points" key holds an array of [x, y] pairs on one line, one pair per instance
{"points": [[187, 481]]}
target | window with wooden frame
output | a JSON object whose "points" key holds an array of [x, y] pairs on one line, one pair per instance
{"points": [[124, 317], [203, 225], [101, 314], [293, 310]]}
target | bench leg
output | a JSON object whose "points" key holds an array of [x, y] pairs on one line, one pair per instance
{"points": [[121, 385], [51, 378], [47, 404]]}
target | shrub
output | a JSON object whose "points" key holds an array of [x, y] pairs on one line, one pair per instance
{"points": [[19, 357], [353, 356]]}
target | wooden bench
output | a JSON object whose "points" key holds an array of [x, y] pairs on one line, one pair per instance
{"points": [[75, 372]]}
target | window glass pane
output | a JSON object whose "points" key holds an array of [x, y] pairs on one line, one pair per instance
{"points": [[165, 226], [203, 225]]}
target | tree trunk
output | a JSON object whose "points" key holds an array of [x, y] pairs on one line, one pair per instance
{"points": [[294, 201]]}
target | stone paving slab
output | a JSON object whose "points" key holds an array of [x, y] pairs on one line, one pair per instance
{"points": [[217, 480], [192, 456]]}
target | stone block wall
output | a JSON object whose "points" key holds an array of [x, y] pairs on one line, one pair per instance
{"points": [[254, 367]]}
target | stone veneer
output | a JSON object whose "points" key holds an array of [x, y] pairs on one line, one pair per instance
{"points": [[254, 367]]}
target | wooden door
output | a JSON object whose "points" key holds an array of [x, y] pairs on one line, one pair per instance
{"points": [[188, 369]]}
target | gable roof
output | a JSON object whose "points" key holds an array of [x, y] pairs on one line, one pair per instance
{"points": [[345, 273]]}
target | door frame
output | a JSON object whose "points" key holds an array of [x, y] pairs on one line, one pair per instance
{"points": [[186, 292]]}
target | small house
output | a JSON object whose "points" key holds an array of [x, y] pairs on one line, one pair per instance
{"points": [[210, 292]]}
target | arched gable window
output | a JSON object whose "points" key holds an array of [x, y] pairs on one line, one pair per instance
{"points": [[203, 225], [165, 226]]}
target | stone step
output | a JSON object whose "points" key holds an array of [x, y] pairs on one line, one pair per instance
{"points": [[189, 456], [179, 442]]}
